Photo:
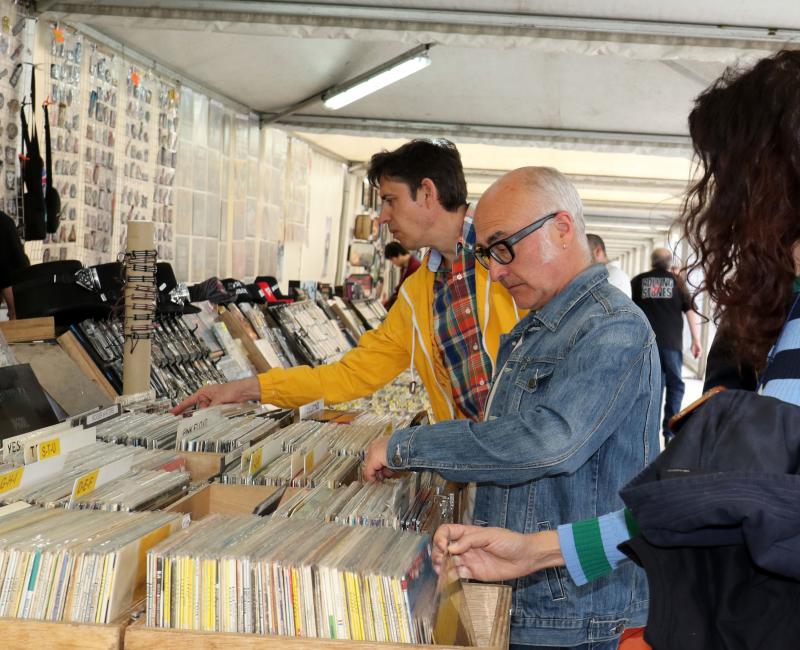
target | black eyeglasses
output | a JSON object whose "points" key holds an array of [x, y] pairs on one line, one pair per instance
{"points": [[502, 251]]}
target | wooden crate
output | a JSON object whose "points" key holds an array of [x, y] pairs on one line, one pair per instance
{"points": [[22, 634], [203, 466], [217, 498], [490, 607], [81, 357], [25, 330], [237, 331]]}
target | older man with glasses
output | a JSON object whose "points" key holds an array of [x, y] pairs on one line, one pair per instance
{"points": [[572, 414]]}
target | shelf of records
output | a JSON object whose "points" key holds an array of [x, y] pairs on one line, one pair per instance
{"points": [[194, 344], [276, 549]]}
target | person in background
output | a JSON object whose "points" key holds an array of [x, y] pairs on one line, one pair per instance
{"points": [[616, 276], [572, 413], [12, 259], [664, 299], [747, 248], [407, 263]]}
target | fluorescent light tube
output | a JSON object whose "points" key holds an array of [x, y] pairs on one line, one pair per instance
{"points": [[377, 81]]}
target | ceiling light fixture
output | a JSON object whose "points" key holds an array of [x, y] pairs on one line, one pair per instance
{"points": [[377, 78]]}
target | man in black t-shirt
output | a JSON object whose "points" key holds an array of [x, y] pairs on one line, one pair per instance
{"points": [[12, 258], [664, 299]]}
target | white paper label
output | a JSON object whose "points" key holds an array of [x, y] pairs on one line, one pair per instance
{"points": [[105, 414], [309, 409]]}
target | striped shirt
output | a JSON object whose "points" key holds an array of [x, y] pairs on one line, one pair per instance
{"points": [[455, 324], [782, 377], [589, 547]]}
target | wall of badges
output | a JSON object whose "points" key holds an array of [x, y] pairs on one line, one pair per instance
{"points": [[131, 144], [64, 72], [15, 41]]}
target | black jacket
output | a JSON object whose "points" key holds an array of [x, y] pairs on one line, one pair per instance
{"points": [[720, 510]]}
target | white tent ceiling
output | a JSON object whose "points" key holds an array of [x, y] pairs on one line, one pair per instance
{"points": [[598, 88]]}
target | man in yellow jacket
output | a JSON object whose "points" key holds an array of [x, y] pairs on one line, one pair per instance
{"points": [[447, 321]]}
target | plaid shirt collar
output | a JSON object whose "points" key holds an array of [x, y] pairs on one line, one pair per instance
{"points": [[467, 238]]}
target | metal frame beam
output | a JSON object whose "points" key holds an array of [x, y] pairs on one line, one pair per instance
{"points": [[438, 20], [487, 133]]}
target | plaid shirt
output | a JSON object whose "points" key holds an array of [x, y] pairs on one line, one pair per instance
{"points": [[456, 326]]}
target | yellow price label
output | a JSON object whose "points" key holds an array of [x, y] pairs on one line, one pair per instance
{"points": [[309, 463], [49, 448], [11, 480], [255, 461], [85, 484]]}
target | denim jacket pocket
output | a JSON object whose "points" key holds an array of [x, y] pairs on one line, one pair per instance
{"points": [[532, 377], [555, 576]]}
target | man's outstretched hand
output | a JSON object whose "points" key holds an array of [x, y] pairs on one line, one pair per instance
{"points": [[241, 390]]}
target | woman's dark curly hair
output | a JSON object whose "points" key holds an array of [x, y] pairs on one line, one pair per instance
{"points": [[742, 217]]}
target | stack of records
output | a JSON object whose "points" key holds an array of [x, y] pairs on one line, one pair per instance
{"points": [[140, 430], [400, 400], [226, 435], [271, 335], [415, 502], [126, 467], [293, 577], [310, 454], [181, 361], [318, 338], [85, 567]]}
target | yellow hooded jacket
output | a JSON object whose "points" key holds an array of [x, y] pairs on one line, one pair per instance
{"points": [[405, 339]]}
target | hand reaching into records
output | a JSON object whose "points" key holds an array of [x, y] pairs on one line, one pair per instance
{"points": [[241, 390], [376, 463], [490, 554]]}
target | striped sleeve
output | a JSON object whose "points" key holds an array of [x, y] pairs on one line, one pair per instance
{"points": [[589, 547]]}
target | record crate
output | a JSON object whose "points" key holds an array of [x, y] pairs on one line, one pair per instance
{"points": [[489, 606], [24, 634], [220, 498]]}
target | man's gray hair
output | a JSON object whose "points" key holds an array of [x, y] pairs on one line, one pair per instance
{"points": [[556, 192]]}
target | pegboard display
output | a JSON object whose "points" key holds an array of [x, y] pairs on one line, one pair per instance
{"points": [[131, 144], [101, 100], [274, 149], [64, 70], [166, 165], [298, 170], [15, 54]]}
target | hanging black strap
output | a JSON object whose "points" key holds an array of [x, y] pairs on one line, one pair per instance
{"points": [[48, 152]]}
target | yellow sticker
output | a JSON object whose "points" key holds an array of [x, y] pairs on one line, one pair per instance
{"points": [[11, 480], [85, 484], [255, 460], [49, 448], [309, 462]]}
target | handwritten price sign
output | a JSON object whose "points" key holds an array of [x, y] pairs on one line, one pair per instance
{"points": [[49, 448]]}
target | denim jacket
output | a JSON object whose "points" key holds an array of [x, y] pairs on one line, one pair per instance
{"points": [[572, 417]]}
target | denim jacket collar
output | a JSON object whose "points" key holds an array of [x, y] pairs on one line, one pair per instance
{"points": [[553, 312]]}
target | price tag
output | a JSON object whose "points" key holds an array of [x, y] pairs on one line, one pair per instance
{"points": [[307, 410], [254, 458], [64, 443], [255, 461], [49, 448], [85, 484], [97, 477], [11, 480]]}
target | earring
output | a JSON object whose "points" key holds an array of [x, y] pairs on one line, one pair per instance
{"points": [[564, 246]]}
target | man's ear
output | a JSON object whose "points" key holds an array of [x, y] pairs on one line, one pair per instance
{"points": [[564, 226], [427, 193]]}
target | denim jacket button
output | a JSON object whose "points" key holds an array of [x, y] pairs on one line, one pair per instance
{"points": [[619, 628]]}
